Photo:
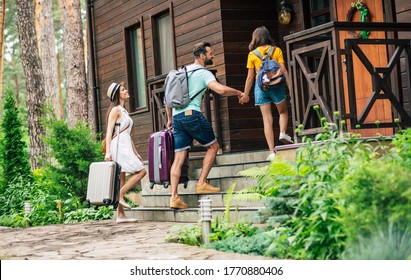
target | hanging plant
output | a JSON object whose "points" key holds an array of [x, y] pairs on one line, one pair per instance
{"points": [[365, 17]]}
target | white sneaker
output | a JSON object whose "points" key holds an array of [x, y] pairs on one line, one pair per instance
{"points": [[285, 138], [271, 157]]}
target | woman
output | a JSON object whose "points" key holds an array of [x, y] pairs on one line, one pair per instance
{"points": [[125, 152], [262, 41]]}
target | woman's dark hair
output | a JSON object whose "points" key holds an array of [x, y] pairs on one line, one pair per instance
{"points": [[200, 48], [261, 37]]}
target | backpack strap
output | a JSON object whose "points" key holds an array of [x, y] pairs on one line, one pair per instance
{"points": [[192, 71], [267, 56]]}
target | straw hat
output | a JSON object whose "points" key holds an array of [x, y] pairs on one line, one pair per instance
{"points": [[112, 89]]}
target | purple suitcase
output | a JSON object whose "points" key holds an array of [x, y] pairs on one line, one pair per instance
{"points": [[160, 159]]}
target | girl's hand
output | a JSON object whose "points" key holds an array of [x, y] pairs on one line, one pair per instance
{"points": [[107, 157]]}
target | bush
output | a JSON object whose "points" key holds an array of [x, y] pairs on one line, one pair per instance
{"points": [[72, 150], [374, 193], [14, 157], [388, 242]]}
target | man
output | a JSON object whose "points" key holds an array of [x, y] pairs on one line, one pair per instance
{"points": [[189, 124]]}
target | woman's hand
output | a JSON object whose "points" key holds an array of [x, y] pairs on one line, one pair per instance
{"points": [[244, 99], [107, 157]]}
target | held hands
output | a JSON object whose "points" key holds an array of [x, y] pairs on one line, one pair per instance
{"points": [[243, 98]]}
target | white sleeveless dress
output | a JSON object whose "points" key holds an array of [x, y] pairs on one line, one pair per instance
{"points": [[126, 157]]}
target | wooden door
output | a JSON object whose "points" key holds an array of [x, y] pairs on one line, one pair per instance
{"points": [[377, 55]]}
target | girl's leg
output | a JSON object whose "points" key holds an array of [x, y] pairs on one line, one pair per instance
{"points": [[268, 125], [126, 186], [283, 111], [131, 182]]}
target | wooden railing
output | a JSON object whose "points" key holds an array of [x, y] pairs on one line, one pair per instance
{"points": [[319, 59], [210, 107]]}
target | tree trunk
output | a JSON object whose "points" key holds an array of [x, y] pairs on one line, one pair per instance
{"points": [[2, 21], [76, 90], [47, 48], [34, 79]]}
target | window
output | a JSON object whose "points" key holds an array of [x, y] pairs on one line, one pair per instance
{"points": [[163, 43], [319, 12], [136, 68]]}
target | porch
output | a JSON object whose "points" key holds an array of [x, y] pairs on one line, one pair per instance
{"points": [[365, 80]]}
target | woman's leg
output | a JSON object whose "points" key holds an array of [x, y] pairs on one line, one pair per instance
{"points": [[268, 125], [126, 186], [283, 111]]}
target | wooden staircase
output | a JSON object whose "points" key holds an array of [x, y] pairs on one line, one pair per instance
{"points": [[155, 202]]}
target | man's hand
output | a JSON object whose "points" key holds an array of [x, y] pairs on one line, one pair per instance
{"points": [[243, 99]]}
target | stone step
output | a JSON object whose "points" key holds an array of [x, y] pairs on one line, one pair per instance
{"points": [[217, 200], [223, 183], [155, 202], [191, 215]]}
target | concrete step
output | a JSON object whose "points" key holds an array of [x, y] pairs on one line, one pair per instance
{"points": [[217, 200], [155, 202], [191, 215], [223, 183]]}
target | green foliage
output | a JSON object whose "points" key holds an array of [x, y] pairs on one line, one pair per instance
{"points": [[224, 230], [256, 245], [373, 193], [15, 221], [72, 150], [402, 143], [392, 242], [13, 150], [188, 234], [88, 214]]}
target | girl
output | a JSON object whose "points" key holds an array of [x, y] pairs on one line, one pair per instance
{"points": [[262, 41]]}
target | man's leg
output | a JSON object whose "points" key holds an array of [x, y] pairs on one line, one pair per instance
{"points": [[175, 173], [208, 162], [202, 186]]}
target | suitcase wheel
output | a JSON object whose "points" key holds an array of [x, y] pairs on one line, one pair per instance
{"points": [[166, 184], [115, 205], [151, 185], [88, 203], [185, 184], [106, 202]]}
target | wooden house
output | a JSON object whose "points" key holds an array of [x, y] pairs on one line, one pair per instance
{"points": [[139, 41], [338, 61]]}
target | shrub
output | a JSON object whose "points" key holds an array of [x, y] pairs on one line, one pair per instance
{"points": [[373, 193], [390, 241], [72, 150], [14, 157]]}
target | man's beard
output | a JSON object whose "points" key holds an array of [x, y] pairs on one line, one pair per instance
{"points": [[208, 61]]}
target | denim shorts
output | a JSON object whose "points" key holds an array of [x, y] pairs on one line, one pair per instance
{"points": [[189, 128], [272, 95]]}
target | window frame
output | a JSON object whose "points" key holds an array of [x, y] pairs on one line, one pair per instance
{"points": [[130, 69], [310, 15], [154, 39]]}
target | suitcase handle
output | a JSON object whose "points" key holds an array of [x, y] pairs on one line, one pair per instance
{"points": [[159, 153]]}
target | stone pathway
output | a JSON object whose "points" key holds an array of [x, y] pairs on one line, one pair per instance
{"points": [[103, 240]]}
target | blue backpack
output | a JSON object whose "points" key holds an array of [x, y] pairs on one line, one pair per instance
{"points": [[268, 65]]}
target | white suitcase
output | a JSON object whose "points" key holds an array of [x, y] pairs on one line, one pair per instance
{"points": [[103, 184]]}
